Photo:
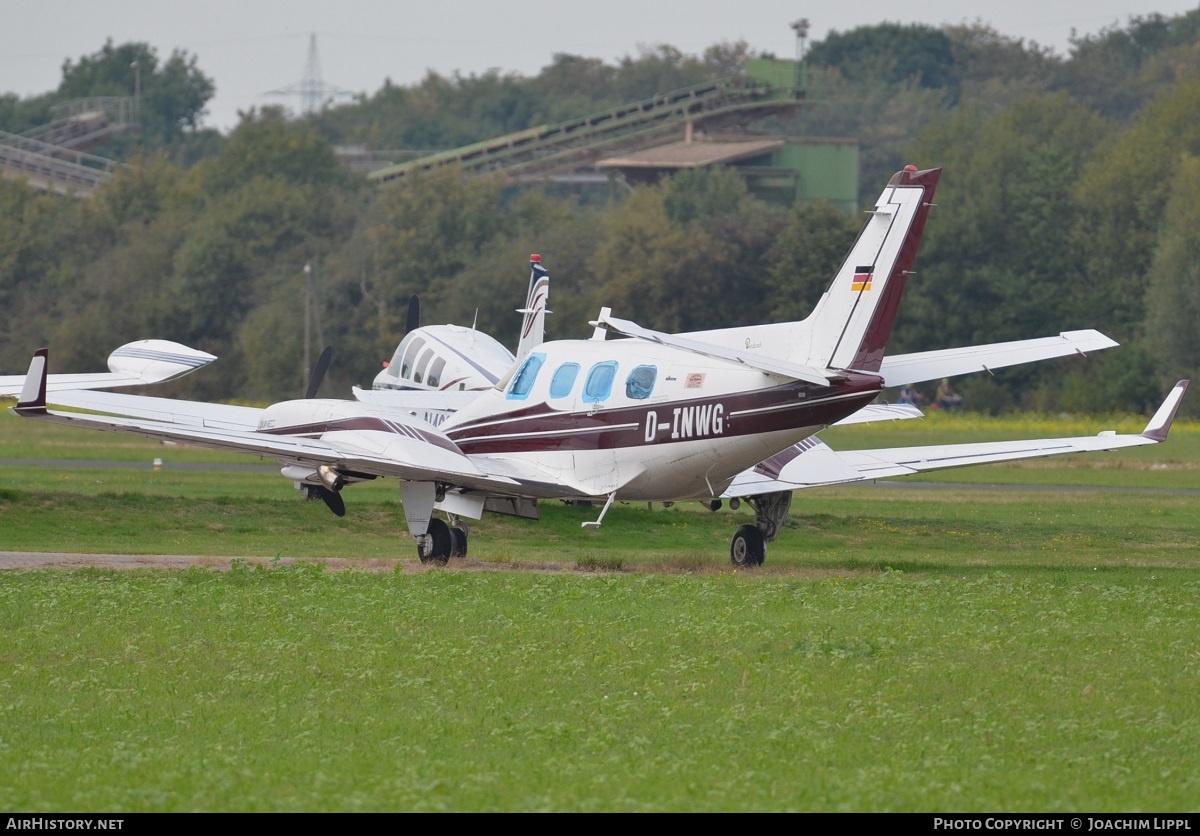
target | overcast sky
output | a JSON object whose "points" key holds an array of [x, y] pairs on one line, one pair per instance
{"points": [[250, 47]]}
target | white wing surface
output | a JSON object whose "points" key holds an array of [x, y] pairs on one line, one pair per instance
{"points": [[382, 447], [812, 463], [164, 410]]}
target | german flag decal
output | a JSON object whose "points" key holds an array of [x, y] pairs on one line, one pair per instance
{"points": [[862, 278]]}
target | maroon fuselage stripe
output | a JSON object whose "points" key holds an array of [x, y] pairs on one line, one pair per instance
{"points": [[790, 406]]}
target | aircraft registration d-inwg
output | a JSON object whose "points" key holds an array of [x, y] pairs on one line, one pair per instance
{"points": [[728, 414]]}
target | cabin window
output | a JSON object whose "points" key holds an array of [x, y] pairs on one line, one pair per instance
{"points": [[640, 382], [600, 382], [564, 380], [421, 364], [410, 357], [434, 379], [523, 380]]}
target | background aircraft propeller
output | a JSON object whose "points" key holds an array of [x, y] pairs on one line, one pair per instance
{"points": [[413, 322], [318, 373]]}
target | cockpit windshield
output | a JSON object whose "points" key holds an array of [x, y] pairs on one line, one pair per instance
{"points": [[523, 380]]}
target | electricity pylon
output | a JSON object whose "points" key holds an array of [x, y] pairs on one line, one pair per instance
{"points": [[311, 90]]}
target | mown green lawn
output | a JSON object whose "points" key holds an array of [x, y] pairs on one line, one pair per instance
{"points": [[954, 648]]}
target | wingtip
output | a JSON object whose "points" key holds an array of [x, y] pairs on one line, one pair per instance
{"points": [[33, 393], [1160, 424]]}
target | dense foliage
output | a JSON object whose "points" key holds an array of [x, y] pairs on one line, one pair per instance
{"points": [[1069, 201]]}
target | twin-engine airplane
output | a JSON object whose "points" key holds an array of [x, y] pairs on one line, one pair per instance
{"points": [[725, 414]]}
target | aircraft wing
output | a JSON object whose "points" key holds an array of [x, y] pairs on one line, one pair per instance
{"points": [[418, 453], [162, 410], [812, 463], [133, 364], [770, 365], [933, 365]]}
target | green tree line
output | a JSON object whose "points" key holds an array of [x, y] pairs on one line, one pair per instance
{"points": [[1069, 200]]}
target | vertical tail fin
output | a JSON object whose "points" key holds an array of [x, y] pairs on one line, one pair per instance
{"points": [[533, 326], [851, 324]]}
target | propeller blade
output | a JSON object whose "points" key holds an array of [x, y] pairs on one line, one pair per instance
{"points": [[414, 314], [314, 382], [334, 500]]}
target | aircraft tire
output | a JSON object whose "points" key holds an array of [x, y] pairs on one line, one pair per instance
{"points": [[458, 542], [747, 549], [438, 544]]}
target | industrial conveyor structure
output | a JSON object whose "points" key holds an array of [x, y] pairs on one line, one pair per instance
{"points": [[50, 157], [768, 86]]}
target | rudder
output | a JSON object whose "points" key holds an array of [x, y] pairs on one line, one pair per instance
{"points": [[852, 323]]}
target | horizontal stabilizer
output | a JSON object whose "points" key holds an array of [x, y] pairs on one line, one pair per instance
{"points": [[769, 365], [951, 362]]}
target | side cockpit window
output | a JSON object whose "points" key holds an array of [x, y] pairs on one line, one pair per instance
{"points": [[410, 356], [522, 381], [600, 382], [640, 382], [564, 380]]}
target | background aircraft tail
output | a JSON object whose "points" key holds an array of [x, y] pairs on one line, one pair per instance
{"points": [[851, 324], [533, 326]]}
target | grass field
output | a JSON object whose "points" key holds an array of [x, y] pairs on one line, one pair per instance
{"points": [[950, 648]]}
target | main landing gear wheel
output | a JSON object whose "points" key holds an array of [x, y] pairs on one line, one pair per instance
{"points": [[458, 541], [747, 548], [435, 547]]}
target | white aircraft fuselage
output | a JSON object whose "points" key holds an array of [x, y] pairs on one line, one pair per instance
{"points": [[652, 422], [699, 423]]}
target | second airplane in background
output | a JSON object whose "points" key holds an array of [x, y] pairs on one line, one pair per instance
{"points": [[452, 358]]}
